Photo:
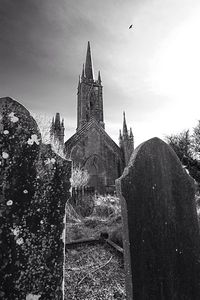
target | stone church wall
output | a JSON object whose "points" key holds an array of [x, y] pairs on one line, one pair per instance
{"points": [[94, 154]]}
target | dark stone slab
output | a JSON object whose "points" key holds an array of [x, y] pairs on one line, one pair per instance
{"points": [[34, 187], [161, 234]]}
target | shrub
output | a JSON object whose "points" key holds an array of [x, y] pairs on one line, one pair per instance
{"points": [[107, 206], [104, 211], [79, 178]]}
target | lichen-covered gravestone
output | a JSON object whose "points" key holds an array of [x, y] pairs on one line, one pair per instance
{"points": [[161, 234], [31, 222]]}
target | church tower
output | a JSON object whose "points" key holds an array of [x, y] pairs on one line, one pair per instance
{"points": [[57, 131], [126, 141], [89, 95], [90, 147]]}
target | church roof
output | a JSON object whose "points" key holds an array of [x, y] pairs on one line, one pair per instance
{"points": [[83, 131]]}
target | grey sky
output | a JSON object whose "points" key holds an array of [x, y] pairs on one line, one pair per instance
{"points": [[43, 45]]}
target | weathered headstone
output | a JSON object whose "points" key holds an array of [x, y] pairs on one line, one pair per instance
{"points": [[161, 234], [32, 209]]}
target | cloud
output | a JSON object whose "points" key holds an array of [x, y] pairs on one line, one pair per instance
{"points": [[43, 45]]}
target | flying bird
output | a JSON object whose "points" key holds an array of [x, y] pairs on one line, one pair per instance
{"points": [[131, 26]]}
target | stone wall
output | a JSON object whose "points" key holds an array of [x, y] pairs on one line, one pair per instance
{"points": [[92, 149]]}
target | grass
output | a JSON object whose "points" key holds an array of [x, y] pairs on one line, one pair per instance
{"points": [[94, 271], [106, 218]]}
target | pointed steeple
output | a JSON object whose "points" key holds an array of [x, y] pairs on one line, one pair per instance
{"points": [[57, 121], [79, 82], [120, 138], [125, 131], [131, 133], [83, 72], [52, 123], [88, 64], [99, 77], [52, 127]]}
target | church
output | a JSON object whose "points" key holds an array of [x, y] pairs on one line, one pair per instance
{"points": [[91, 148]]}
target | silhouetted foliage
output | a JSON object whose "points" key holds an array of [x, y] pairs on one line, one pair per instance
{"points": [[187, 148]]}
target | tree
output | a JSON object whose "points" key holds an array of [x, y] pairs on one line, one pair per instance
{"points": [[181, 143], [44, 124], [195, 141], [187, 148]]}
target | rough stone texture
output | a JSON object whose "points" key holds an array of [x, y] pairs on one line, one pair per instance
{"points": [[92, 149], [161, 234], [34, 186]]}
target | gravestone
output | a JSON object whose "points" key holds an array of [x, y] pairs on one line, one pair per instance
{"points": [[31, 209], [161, 234]]}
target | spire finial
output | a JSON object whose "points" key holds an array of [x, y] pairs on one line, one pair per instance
{"points": [[79, 82], [57, 120], [83, 72], [131, 133], [125, 131], [88, 64], [99, 77]]}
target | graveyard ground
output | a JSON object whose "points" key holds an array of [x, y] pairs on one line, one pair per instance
{"points": [[95, 271]]}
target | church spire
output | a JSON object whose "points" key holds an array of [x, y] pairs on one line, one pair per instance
{"points": [[131, 133], [57, 121], [99, 77], [79, 83], [83, 72], [120, 138], [125, 131], [88, 64]]}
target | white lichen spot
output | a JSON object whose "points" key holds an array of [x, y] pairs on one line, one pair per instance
{"points": [[33, 139], [53, 160], [154, 186], [25, 191], [9, 202], [5, 155], [20, 241], [41, 222], [47, 161], [50, 161], [13, 118], [16, 231], [32, 297], [6, 131]]}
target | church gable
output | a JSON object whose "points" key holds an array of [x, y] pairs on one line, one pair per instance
{"points": [[96, 135], [92, 149]]}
